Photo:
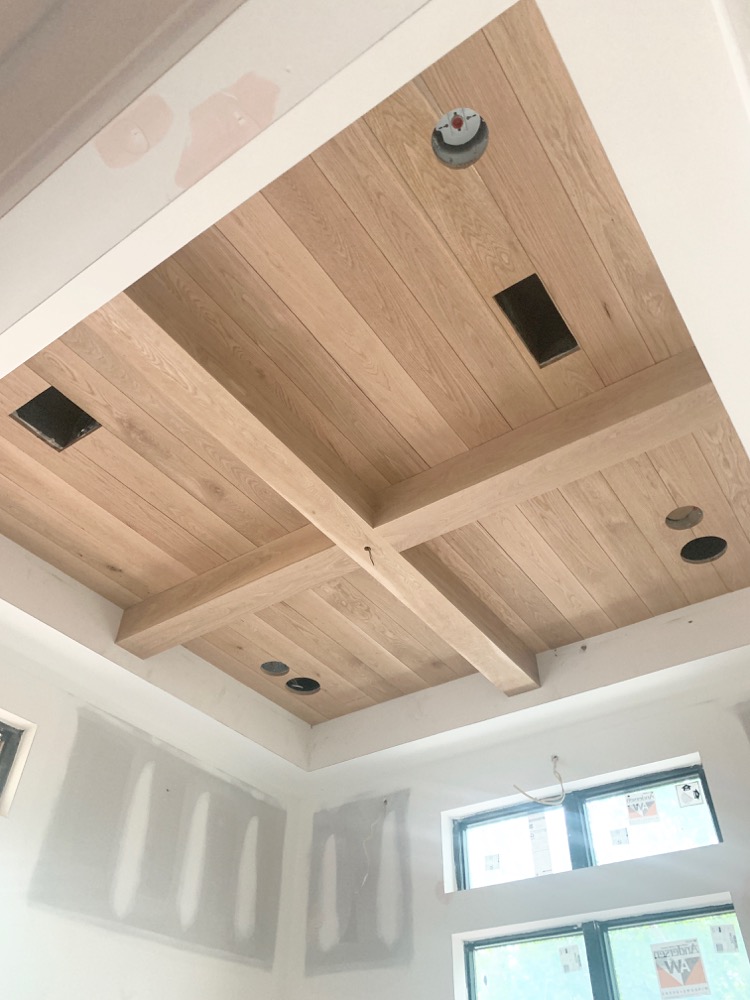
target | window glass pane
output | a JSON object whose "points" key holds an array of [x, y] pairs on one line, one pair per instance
{"points": [[516, 847], [650, 820], [686, 957], [540, 969]]}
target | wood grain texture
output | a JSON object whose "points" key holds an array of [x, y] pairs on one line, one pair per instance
{"points": [[338, 240], [325, 371], [364, 177], [527, 189], [226, 412], [654, 406], [287, 266], [525, 50], [470, 222], [251, 582], [611, 524], [289, 356]]}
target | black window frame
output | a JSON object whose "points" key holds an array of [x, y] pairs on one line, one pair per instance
{"points": [[597, 951], [579, 835]]}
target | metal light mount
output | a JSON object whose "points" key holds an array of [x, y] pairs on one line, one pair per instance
{"points": [[460, 138]]}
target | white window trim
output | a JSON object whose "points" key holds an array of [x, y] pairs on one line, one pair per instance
{"points": [[19, 762]]}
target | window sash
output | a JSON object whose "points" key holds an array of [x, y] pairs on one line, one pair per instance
{"points": [[595, 933], [580, 840]]}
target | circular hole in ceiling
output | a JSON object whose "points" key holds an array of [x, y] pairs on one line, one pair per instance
{"points": [[274, 667], [683, 517], [460, 138], [303, 685], [704, 549]]}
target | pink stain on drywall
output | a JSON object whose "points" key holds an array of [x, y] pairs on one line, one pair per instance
{"points": [[134, 132], [223, 123]]}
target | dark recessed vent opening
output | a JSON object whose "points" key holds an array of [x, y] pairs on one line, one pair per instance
{"points": [[704, 550], [683, 517], [303, 685], [275, 668], [536, 320], [55, 419]]}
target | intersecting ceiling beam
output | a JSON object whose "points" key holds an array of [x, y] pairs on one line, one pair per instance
{"points": [[657, 405], [274, 449]]}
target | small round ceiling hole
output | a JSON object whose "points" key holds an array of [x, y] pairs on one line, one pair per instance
{"points": [[683, 517], [704, 549], [460, 138], [275, 668], [303, 685]]}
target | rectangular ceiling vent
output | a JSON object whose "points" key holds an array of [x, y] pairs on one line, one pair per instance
{"points": [[55, 419], [535, 318]]}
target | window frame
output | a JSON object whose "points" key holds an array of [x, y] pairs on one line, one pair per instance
{"points": [[580, 842], [11, 770], [595, 934]]}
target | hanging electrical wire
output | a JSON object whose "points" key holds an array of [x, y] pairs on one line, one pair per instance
{"points": [[555, 800]]}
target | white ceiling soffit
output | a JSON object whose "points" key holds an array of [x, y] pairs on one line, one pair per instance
{"points": [[71, 66], [271, 83]]}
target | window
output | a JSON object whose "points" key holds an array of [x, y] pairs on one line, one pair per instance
{"points": [[16, 736], [688, 954], [640, 817]]}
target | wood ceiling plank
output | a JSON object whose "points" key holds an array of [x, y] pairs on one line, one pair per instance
{"points": [[648, 501], [349, 601], [367, 181], [334, 508], [114, 458], [310, 205], [137, 560], [301, 663], [523, 182], [383, 599], [599, 507], [466, 572], [690, 480], [306, 634], [279, 355], [554, 519], [541, 563], [655, 404], [215, 649], [475, 545], [31, 531], [97, 343], [723, 451], [468, 218], [259, 579], [435, 570], [85, 546], [175, 305], [379, 454], [647, 409], [115, 410], [289, 268], [525, 49], [339, 628], [77, 471]]}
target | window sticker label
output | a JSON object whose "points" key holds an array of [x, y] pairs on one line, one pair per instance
{"points": [[679, 967], [540, 845], [571, 958], [620, 838], [690, 793], [492, 862], [642, 807], [724, 937]]}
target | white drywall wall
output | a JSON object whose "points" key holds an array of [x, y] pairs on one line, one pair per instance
{"points": [[678, 712], [51, 951]]}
